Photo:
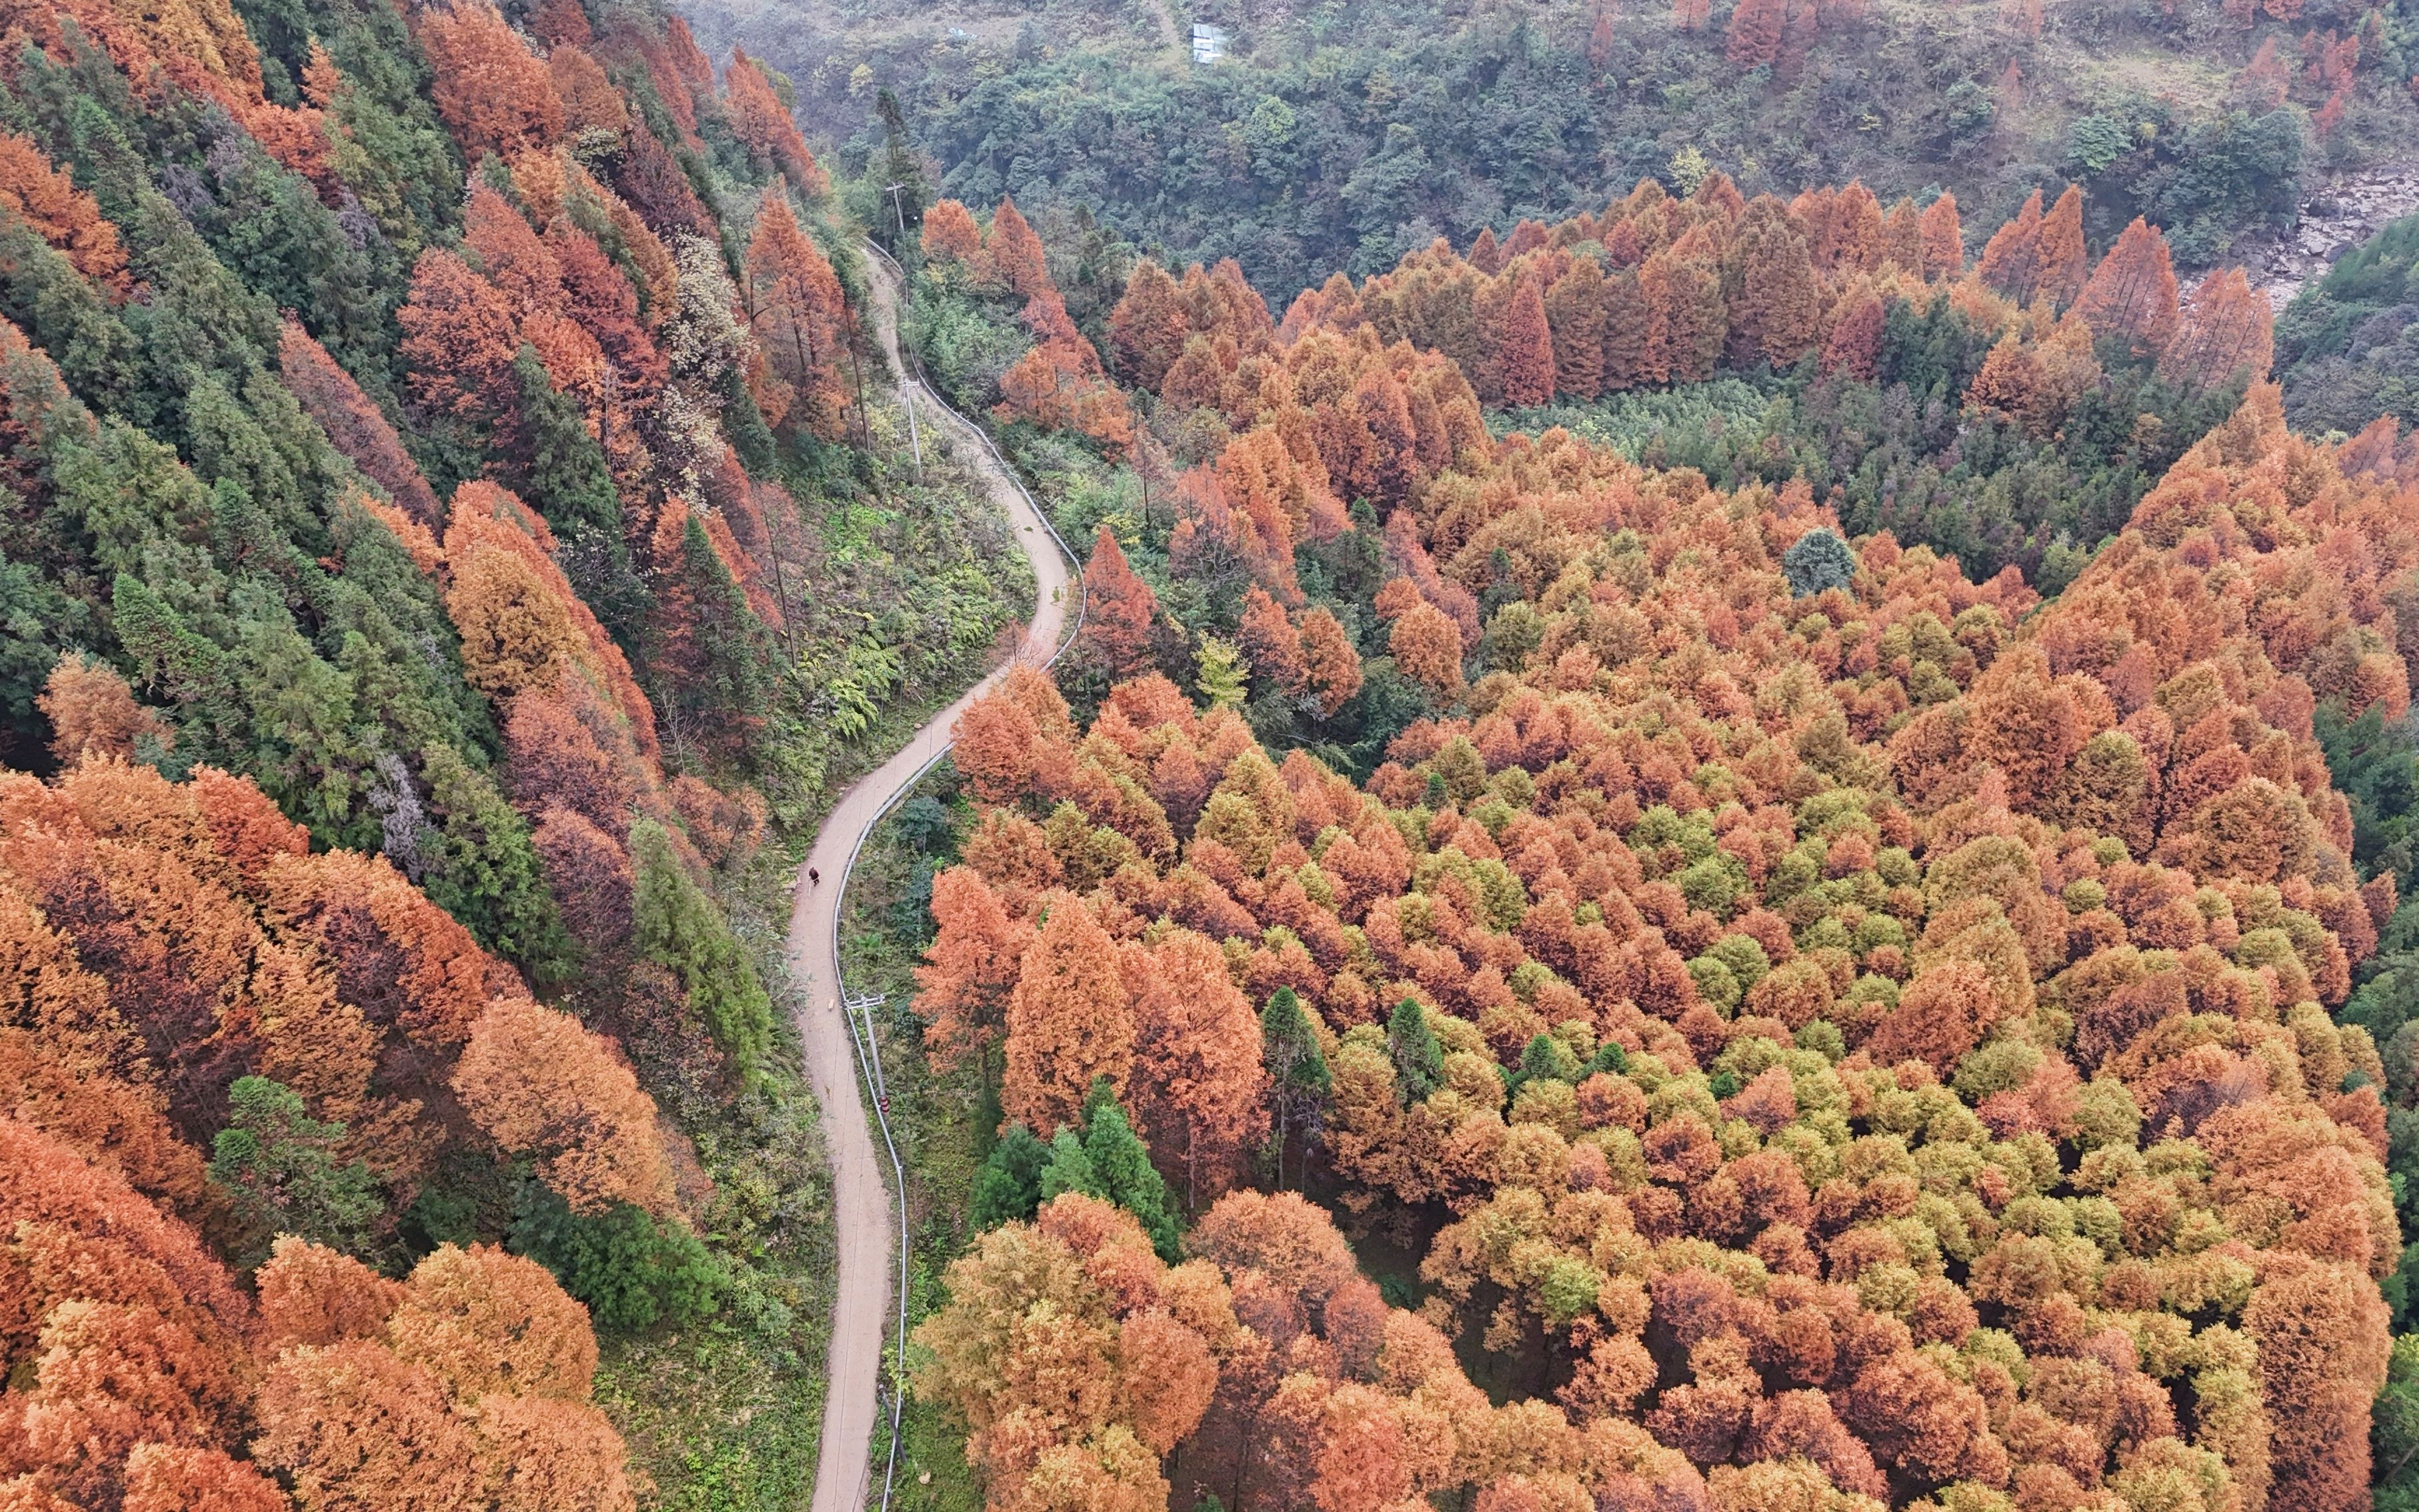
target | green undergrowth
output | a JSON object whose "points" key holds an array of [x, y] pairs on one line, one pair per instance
{"points": [[910, 584], [723, 1409]]}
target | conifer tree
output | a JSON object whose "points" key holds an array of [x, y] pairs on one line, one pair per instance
{"points": [[1574, 313], [1754, 40], [950, 237], [1009, 1186], [1270, 642], [554, 462], [1068, 1169], [541, 1085], [1768, 287], [1853, 236], [1119, 609], [677, 927], [799, 313], [760, 119], [494, 95], [2010, 260], [1197, 1086], [63, 215], [93, 714], [1299, 1081], [1331, 668], [1855, 344], [1685, 320], [2132, 291], [460, 340], [1069, 1020], [2060, 262], [1412, 1048], [1121, 1164], [1222, 674], [328, 395], [1944, 240], [1525, 353], [1015, 254], [963, 986], [1485, 253], [1426, 645], [2226, 330], [1628, 352], [1902, 238], [1147, 328], [1817, 561], [709, 660], [280, 1173]]}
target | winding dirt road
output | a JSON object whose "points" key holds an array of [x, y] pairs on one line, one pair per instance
{"points": [[867, 1223]]}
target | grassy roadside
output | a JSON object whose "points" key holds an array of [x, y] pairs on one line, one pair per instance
{"points": [[913, 582], [943, 1118]]}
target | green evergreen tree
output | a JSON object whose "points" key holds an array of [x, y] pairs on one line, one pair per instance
{"points": [[554, 463], [61, 314], [278, 1171], [1544, 1056], [1121, 1163], [38, 623], [1299, 1082], [1819, 559], [715, 670], [742, 425], [1009, 1186], [1070, 1168], [167, 655], [1419, 1060], [560, 470], [483, 871], [2394, 1433], [631, 1268], [677, 927]]}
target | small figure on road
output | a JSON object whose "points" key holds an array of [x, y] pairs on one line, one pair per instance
{"points": [[813, 877]]}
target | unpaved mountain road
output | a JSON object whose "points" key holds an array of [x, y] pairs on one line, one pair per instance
{"points": [[867, 1223]]}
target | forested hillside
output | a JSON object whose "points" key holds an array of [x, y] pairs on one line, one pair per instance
{"points": [[1339, 138], [2348, 345], [1519, 969], [451, 538]]}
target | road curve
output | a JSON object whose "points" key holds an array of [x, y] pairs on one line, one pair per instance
{"points": [[863, 1217]]}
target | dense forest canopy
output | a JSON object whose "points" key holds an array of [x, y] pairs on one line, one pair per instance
{"points": [[1754, 1005], [1334, 137]]}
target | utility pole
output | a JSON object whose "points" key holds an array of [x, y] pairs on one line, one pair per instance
{"points": [[897, 209]]}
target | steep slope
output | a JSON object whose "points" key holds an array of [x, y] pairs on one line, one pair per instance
{"points": [[435, 448]]}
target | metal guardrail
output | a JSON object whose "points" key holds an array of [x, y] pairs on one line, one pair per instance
{"points": [[868, 1050]]}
